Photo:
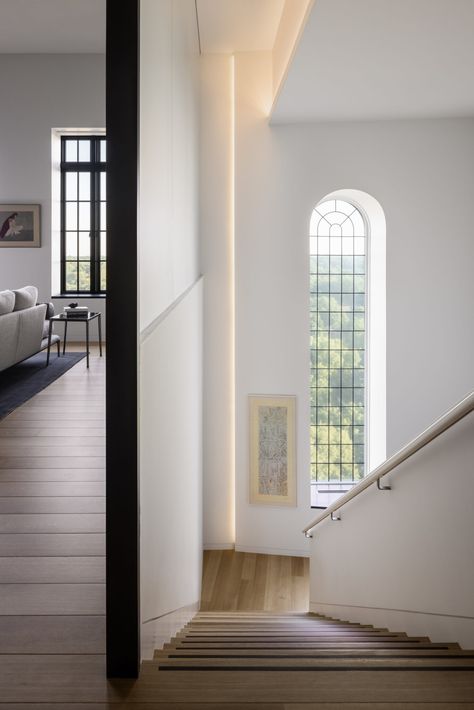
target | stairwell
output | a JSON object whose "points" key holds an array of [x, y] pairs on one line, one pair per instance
{"points": [[285, 658]]}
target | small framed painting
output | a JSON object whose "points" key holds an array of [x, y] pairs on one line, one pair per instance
{"points": [[272, 450], [19, 225]]}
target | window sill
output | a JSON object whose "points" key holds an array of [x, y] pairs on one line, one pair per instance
{"points": [[79, 295]]}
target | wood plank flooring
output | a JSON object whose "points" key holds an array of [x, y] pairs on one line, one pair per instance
{"points": [[52, 518], [241, 581], [52, 623]]}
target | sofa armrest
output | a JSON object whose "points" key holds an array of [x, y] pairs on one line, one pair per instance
{"points": [[49, 309], [30, 331]]}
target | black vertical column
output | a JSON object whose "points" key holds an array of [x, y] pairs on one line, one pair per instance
{"points": [[122, 528]]}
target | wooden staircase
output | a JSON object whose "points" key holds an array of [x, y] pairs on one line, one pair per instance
{"points": [[274, 642], [278, 659]]}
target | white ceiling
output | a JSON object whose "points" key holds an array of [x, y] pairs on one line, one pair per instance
{"points": [[228, 26], [52, 26], [78, 26], [382, 59]]}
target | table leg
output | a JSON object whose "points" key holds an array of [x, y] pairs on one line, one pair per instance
{"points": [[49, 341], [65, 336], [87, 341], [100, 334]]}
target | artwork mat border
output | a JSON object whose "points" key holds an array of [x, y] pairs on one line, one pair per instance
{"points": [[24, 207], [288, 401]]}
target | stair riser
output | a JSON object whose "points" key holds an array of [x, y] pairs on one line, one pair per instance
{"points": [[352, 663]]}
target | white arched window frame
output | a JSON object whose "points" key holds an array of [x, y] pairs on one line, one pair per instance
{"points": [[375, 327]]}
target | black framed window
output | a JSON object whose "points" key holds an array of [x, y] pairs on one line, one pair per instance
{"points": [[83, 214]]}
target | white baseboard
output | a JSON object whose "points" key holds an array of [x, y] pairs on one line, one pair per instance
{"points": [[438, 627], [271, 551], [219, 546]]}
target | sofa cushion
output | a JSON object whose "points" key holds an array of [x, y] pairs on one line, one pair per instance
{"points": [[25, 298], [7, 302]]}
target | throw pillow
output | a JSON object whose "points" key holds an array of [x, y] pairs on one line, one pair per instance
{"points": [[7, 302], [25, 297]]}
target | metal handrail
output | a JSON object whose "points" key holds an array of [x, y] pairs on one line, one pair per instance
{"points": [[447, 420]]}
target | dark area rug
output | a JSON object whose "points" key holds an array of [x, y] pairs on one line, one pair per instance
{"points": [[21, 382]]}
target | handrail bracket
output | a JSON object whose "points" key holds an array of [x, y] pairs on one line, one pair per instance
{"points": [[382, 488], [337, 516]]}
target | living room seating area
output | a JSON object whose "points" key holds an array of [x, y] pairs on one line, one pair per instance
{"points": [[23, 325]]}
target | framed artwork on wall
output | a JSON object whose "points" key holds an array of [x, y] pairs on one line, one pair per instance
{"points": [[19, 225], [272, 449]]}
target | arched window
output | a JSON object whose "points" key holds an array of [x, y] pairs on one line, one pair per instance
{"points": [[338, 304]]}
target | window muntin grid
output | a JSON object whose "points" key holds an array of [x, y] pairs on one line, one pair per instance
{"points": [[338, 239], [83, 214]]}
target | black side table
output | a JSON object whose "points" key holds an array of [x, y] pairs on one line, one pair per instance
{"points": [[61, 317]]}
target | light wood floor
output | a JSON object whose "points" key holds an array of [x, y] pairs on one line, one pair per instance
{"points": [[52, 520], [241, 581], [52, 598]]}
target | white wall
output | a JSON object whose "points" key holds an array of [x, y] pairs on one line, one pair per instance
{"points": [[170, 302], [422, 174], [169, 136], [272, 350], [44, 92], [170, 459], [217, 255], [416, 576]]}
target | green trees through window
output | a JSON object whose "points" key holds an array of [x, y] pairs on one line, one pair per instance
{"points": [[337, 347]]}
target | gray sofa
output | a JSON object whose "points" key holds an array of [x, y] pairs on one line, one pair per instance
{"points": [[23, 328]]}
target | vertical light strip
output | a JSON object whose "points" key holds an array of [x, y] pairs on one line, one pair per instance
{"points": [[232, 294]]}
